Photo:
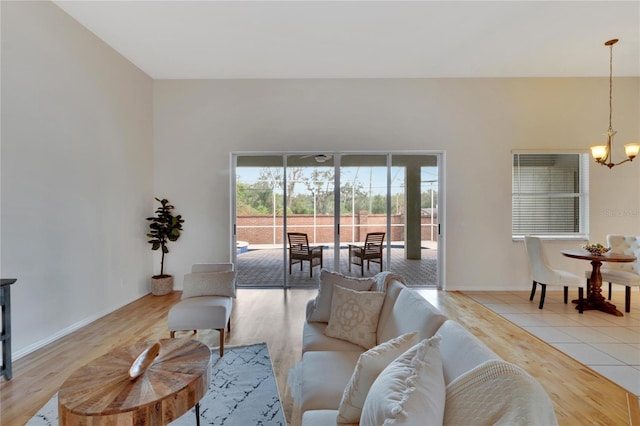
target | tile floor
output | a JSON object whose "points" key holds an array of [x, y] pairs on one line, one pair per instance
{"points": [[605, 343]]}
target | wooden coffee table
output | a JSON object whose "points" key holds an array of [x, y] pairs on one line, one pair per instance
{"points": [[102, 393]]}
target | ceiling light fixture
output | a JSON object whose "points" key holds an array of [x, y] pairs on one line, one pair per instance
{"points": [[321, 158], [602, 153]]}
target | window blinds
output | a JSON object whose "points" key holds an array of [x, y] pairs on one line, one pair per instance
{"points": [[547, 198]]}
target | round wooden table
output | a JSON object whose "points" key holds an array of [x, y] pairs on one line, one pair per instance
{"points": [[595, 300], [102, 393]]}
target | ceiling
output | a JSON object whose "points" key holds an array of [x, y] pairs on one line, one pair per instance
{"points": [[367, 39]]}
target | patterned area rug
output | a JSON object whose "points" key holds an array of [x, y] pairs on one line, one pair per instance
{"points": [[242, 392]]}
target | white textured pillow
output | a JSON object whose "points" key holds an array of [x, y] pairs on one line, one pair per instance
{"points": [[472, 398], [209, 284], [369, 366], [354, 316], [321, 309], [409, 391]]}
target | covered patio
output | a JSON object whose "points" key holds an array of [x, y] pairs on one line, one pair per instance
{"points": [[264, 266]]}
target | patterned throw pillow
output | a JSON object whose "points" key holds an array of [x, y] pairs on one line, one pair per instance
{"points": [[354, 316], [369, 366], [321, 308], [209, 284], [410, 390]]}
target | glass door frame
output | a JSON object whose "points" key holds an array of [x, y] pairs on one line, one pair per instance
{"points": [[336, 160]]}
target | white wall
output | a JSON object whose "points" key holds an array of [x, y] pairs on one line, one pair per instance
{"points": [[77, 174], [88, 139], [476, 121]]}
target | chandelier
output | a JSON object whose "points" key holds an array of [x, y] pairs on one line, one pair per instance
{"points": [[602, 153]]}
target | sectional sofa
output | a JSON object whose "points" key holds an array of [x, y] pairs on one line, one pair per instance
{"points": [[407, 365]]}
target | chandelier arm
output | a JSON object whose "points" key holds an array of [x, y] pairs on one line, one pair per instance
{"points": [[610, 165]]}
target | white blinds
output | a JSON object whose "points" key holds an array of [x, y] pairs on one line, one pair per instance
{"points": [[549, 196]]}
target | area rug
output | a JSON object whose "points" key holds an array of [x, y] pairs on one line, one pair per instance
{"points": [[242, 392]]}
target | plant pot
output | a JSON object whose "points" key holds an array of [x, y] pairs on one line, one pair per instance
{"points": [[161, 284]]}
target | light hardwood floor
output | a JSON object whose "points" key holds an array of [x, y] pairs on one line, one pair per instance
{"points": [[580, 395]]}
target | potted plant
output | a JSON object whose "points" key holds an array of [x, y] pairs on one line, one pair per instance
{"points": [[163, 227]]}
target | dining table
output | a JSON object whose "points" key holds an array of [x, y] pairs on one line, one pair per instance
{"points": [[595, 300]]}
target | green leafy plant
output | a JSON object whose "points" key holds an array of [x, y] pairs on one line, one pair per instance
{"points": [[164, 227]]}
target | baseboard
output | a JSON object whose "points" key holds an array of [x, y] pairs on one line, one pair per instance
{"points": [[44, 342]]}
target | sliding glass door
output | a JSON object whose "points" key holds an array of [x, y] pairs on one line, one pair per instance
{"points": [[259, 220], [364, 212], [310, 213], [358, 213]]}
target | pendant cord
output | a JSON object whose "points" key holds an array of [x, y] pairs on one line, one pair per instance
{"points": [[610, 84]]}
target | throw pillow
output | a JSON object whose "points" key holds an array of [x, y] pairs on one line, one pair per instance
{"points": [[410, 390], [369, 366], [321, 308], [354, 316], [209, 284], [472, 398]]}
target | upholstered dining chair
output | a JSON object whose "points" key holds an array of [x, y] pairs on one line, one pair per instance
{"points": [[544, 275], [627, 273], [371, 251], [300, 251]]}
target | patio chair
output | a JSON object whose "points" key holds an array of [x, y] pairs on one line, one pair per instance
{"points": [[300, 251], [371, 251]]}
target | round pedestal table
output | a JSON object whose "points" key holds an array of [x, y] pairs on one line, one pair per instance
{"points": [[595, 299]]}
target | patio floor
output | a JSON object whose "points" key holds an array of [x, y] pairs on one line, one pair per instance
{"points": [[263, 266]]}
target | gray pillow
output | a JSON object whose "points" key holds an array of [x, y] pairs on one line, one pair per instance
{"points": [[320, 310]]}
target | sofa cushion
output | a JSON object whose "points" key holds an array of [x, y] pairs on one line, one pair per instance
{"points": [[354, 316], [478, 397], [411, 312], [392, 291], [210, 312], [209, 284], [324, 377], [369, 366], [320, 418], [321, 308], [314, 339], [410, 390], [461, 350]]}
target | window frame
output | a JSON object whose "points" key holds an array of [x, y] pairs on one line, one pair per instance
{"points": [[582, 196]]}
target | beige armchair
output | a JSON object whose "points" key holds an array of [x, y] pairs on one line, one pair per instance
{"points": [[206, 300], [544, 275], [627, 273]]}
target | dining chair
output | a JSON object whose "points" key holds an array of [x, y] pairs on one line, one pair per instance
{"points": [[300, 251], [371, 251], [545, 275], [627, 273]]}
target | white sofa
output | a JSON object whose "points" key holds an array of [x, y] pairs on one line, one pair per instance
{"points": [[485, 392]]}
